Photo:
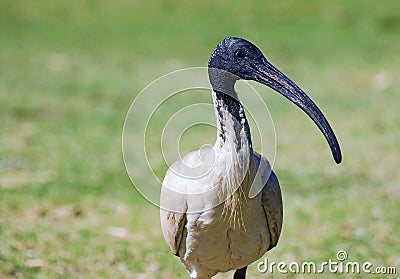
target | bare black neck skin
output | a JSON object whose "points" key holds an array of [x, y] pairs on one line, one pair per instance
{"points": [[233, 131]]}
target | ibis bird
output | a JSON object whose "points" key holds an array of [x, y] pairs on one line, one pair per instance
{"points": [[212, 216]]}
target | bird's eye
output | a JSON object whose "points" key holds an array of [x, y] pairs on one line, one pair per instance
{"points": [[240, 53]]}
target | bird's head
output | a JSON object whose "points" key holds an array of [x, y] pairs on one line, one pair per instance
{"points": [[236, 58]]}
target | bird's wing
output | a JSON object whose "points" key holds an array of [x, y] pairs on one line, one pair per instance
{"points": [[173, 208], [180, 185], [173, 224], [271, 200]]}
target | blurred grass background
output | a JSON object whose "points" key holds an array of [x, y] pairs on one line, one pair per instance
{"points": [[69, 70]]}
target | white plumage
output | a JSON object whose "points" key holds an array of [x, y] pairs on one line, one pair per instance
{"points": [[207, 217]]}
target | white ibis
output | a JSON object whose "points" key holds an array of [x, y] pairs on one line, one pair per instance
{"points": [[208, 216]]}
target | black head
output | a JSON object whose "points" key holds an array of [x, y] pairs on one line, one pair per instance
{"points": [[236, 58]]}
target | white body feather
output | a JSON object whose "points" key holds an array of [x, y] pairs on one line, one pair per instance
{"points": [[207, 217]]}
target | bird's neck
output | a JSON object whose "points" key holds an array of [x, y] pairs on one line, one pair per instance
{"points": [[233, 131], [235, 151]]}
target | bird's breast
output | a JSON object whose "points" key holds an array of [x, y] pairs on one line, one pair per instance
{"points": [[218, 244]]}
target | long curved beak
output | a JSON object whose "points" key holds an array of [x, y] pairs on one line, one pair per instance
{"points": [[270, 76]]}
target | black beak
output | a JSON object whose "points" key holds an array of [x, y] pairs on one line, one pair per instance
{"points": [[270, 76]]}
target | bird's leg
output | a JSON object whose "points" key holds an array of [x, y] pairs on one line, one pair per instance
{"points": [[240, 273]]}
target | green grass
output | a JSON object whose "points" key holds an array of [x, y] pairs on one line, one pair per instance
{"points": [[68, 72]]}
